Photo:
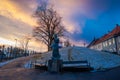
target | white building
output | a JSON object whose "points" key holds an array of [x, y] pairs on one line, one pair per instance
{"points": [[109, 42]]}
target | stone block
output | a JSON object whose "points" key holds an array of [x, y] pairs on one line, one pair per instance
{"points": [[54, 65]]}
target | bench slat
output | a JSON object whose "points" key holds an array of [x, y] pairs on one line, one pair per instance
{"points": [[80, 64], [74, 62]]}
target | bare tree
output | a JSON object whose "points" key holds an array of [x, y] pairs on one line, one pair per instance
{"points": [[24, 42], [49, 23], [67, 43]]}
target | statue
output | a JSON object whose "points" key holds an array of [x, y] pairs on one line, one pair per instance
{"points": [[55, 64], [55, 48]]}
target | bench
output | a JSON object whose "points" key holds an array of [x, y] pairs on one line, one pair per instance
{"points": [[40, 65], [76, 64]]}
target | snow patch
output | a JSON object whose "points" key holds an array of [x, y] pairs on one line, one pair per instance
{"points": [[97, 60], [6, 62]]}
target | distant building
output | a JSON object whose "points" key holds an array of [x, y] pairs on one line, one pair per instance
{"points": [[109, 42]]}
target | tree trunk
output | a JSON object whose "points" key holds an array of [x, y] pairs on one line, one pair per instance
{"points": [[49, 48]]}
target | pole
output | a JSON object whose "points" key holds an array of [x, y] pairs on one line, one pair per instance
{"points": [[15, 43]]}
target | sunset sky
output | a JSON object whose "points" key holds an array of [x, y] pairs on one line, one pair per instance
{"points": [[83, 19]]}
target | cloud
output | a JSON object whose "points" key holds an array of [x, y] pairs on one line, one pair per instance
{"points": [[16, 21], [38, 47], [74, 42], [66, 10], [70, 10], [11, 29], [77, 9], [76, 13], [72, 27], [26, 6], [13, 26], [16, 16], [12, 10], [82, 43]]}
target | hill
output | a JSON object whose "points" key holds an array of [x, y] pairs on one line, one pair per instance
{"points": [[98, 60]]}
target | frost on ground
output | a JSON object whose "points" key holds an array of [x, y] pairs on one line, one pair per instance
{"points": [[98, 60], [6, 62]]}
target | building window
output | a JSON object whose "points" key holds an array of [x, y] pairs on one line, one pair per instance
{"points": [[106, 43], [109, 42], [113, 40], [103, 44]]}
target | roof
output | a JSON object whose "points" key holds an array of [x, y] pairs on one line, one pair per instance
{"points": [[114, 32], [92, 43]]}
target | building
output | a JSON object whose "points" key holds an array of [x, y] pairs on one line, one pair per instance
{"points": [[109, 42]]}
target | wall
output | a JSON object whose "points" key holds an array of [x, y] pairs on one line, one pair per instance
{"points": [[108, 45]]}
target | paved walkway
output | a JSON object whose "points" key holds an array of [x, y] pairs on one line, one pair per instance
{"points": [[15, 71], [6, 62]]}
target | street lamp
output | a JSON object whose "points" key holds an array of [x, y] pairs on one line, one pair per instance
{"points": [[15, 43]]}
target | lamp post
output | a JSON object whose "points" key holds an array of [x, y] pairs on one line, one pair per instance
{"points": [[15, 43]]}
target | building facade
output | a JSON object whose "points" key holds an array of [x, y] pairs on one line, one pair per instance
{"points": [[109, 42]]}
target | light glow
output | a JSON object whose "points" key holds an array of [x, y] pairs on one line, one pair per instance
{"points": [[4, 41]]}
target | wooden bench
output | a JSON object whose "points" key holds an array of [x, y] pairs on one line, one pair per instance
{"points": [[76, 64], [40, 65]]}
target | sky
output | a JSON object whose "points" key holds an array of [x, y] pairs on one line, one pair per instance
{"points": [[83, 19]]}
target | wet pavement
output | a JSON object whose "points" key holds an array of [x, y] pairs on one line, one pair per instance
{"points": [[16, 71], [113, 74]]}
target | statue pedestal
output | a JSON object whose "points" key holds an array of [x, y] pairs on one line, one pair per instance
{"points": [[54, 65]]}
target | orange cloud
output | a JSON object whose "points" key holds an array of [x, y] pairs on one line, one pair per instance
{"points": [[38, 47], [11, 10], [16, 18], [15, 23]]}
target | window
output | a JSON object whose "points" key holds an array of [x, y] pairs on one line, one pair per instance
{"points": [[113, 40], [103, 44], [106, 43], [109, 42]]}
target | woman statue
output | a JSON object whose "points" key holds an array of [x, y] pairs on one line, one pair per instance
{"points": [[55, 48]]}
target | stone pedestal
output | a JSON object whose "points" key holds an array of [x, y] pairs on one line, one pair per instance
{"points": [[54, 65]]}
